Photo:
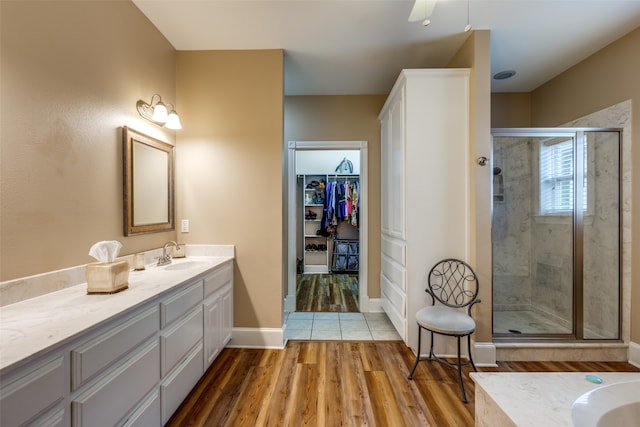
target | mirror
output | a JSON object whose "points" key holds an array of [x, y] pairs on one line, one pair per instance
{"points": [[148, 184]]}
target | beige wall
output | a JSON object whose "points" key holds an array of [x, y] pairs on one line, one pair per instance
{"points": [[475, 54], [229, 169], [510, 110], [345, 118], [71, 73], [604, 79]]}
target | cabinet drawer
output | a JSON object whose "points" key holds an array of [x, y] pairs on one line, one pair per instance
{"points": [[394, 249], [176, 341], [218, 278], [393, 294], [98, 353], [147, 413], [177, 386], [116, 393], [41, 387], [394, 273], [52, 418], [180, 303]]}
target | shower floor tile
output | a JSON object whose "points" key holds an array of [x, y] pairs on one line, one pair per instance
{"points": [[525, 322]]}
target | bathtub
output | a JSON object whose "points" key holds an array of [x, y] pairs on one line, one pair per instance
{"points": [[610, 405]]}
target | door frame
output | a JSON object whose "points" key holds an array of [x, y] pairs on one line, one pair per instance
{"points": [[362, 147]]}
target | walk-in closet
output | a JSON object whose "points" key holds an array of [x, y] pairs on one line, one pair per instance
{"points": [[328, 213]]}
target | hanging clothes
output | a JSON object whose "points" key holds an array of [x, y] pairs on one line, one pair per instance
{"points": [[354, 204], [339, 208], [341, 203]]}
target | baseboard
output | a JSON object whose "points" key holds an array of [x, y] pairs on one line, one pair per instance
{"points": [[560, 352], [484, 354], [375, 305], [257, 338], [634, 354]]}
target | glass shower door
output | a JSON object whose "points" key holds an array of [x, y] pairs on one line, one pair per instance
{"points": [[556, 233], [532, 235]]}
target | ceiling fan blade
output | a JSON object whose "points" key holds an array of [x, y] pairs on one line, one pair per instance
{"points": [[422, 9]]}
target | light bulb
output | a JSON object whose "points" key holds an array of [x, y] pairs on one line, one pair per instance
{"points": [[159, 113], [173, 121]]}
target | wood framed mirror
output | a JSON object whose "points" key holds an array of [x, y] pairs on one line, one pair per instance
{"points": [[148, 184]]}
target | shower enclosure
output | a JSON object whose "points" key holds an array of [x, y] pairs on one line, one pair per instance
{"points": [[556, 234]]}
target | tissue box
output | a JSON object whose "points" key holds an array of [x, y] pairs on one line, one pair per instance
{"points": [[107, 277]]}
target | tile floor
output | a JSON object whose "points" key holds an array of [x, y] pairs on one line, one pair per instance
{"points": [[340, 326]]}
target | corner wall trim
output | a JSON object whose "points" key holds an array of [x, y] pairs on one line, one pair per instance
{"points": [[484, 354], [257, 338], [634, 354]]}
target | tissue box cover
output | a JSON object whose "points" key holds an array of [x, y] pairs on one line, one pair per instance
{"points": [[107, 277]]}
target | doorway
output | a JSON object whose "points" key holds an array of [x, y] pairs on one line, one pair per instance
{"points": [[327, 251]]}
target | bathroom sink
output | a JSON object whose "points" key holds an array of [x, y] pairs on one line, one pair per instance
{"points": [[186, 265], [611, 405]]}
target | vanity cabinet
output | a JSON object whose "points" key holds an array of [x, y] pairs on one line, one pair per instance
{"points": [[177, 385], [94, 355], [185, 328], [106, 400], [135, 369], [42, 385], [424, 187], [218, 312], [181, 347]]}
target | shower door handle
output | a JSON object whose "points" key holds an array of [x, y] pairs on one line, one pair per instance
{"points": [[482, 161]]}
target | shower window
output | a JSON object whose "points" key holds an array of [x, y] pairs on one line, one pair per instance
{"points": [[557, 177]]}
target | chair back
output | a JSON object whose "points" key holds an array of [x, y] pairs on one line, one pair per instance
{"points": [[453, 283]]}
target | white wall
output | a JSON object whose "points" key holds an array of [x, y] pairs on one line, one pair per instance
{"points": [[325, 161]]}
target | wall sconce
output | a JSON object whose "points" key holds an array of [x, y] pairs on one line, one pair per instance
{"points": [[159, 113]]}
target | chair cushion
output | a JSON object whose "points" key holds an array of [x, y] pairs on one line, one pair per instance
{"points": [[445, 320]]}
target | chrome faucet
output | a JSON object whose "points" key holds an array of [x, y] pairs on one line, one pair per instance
{"points": [[166, 257]]}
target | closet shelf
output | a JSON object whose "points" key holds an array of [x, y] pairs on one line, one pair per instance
{"points": [[319, 260]]}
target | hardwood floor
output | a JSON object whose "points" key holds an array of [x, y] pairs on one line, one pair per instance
{"points": [[327, 292], [340, 383]]}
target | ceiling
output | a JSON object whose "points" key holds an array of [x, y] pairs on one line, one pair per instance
{"points": [[356, 47]]}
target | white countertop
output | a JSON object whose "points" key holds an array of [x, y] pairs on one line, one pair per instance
{"points": [[33, 326], [536, 398]]}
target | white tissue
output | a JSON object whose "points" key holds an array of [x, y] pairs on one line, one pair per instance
{"points": [[105, 251]]}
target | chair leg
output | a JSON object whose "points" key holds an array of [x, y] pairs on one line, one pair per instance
{"points": [[431, 353], [464, 396], [470, 356], [415, 365]]}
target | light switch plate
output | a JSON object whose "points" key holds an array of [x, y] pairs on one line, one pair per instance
{"points": [[184, 227]]}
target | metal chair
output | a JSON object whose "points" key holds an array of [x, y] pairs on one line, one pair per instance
{"points": [[454, 285]]}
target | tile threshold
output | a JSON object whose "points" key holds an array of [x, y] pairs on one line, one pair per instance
{"points": [[339, 326]]}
